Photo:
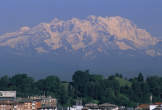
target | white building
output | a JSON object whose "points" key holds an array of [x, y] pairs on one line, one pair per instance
{"points": [[76, 107], [155, 107], [7, 95]]}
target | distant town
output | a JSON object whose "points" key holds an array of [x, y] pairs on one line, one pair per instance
{"points": [[86, 91], [9, 101]]}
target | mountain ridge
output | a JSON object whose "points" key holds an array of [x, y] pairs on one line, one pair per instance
{"points": [[93, 35]]}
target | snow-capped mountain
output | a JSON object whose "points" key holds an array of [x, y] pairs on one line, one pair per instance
{"points": [[101, 44], [90, 36]]}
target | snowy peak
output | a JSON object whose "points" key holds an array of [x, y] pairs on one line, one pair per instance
{"points": [[90, 35]]}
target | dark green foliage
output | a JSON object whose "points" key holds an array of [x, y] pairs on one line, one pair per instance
{"points": [[140, 77], [90, 88], [115, 89], [4, 83], [80, 80], [23, 84]]}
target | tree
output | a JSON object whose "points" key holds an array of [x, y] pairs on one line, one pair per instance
{"points": [[140, 77], [49, 86], [155, 87], [22, 84], [79, 81], [4, 83]]}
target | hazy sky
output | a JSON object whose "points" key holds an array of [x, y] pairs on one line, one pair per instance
{"points": [[16, 13]]}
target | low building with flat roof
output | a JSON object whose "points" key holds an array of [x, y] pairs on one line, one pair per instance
{"points": [[7, 95], [91, 106], [108, 106]]}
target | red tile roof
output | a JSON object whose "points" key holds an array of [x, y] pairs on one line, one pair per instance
{"points": [[143, 106], [158, 103]]}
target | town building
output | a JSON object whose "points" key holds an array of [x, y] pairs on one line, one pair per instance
{"points": [[143, 107], [107, 106], [7, 95], [8, 101], [91, 106], [47, 108], [7, 105], [76, 107], [156, 106]]}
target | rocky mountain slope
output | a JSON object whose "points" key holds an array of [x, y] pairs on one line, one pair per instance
{"points": [[90, 36]]}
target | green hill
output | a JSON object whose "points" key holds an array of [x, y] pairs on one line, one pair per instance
{"points": [[123, 82]]}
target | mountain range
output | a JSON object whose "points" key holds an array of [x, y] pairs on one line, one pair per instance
{"points": [[84, 42]]}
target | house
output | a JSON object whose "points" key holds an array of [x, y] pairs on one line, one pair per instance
{"points": [[76, 107], [143, 107], [91, 106], [8, 101], [25, 104], [48, 102], [36, 103], [7, 105], [156, 106], [159, 107], [122, 108], [47, 108], [7, 95], [107, 106]]}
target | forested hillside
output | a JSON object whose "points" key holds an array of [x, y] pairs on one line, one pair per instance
{"points": [[90, 88]]}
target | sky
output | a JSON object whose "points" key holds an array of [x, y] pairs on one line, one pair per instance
{"points": [[14, 14]]}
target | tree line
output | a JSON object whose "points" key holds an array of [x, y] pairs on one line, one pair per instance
{"points": [[90, 88]]}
